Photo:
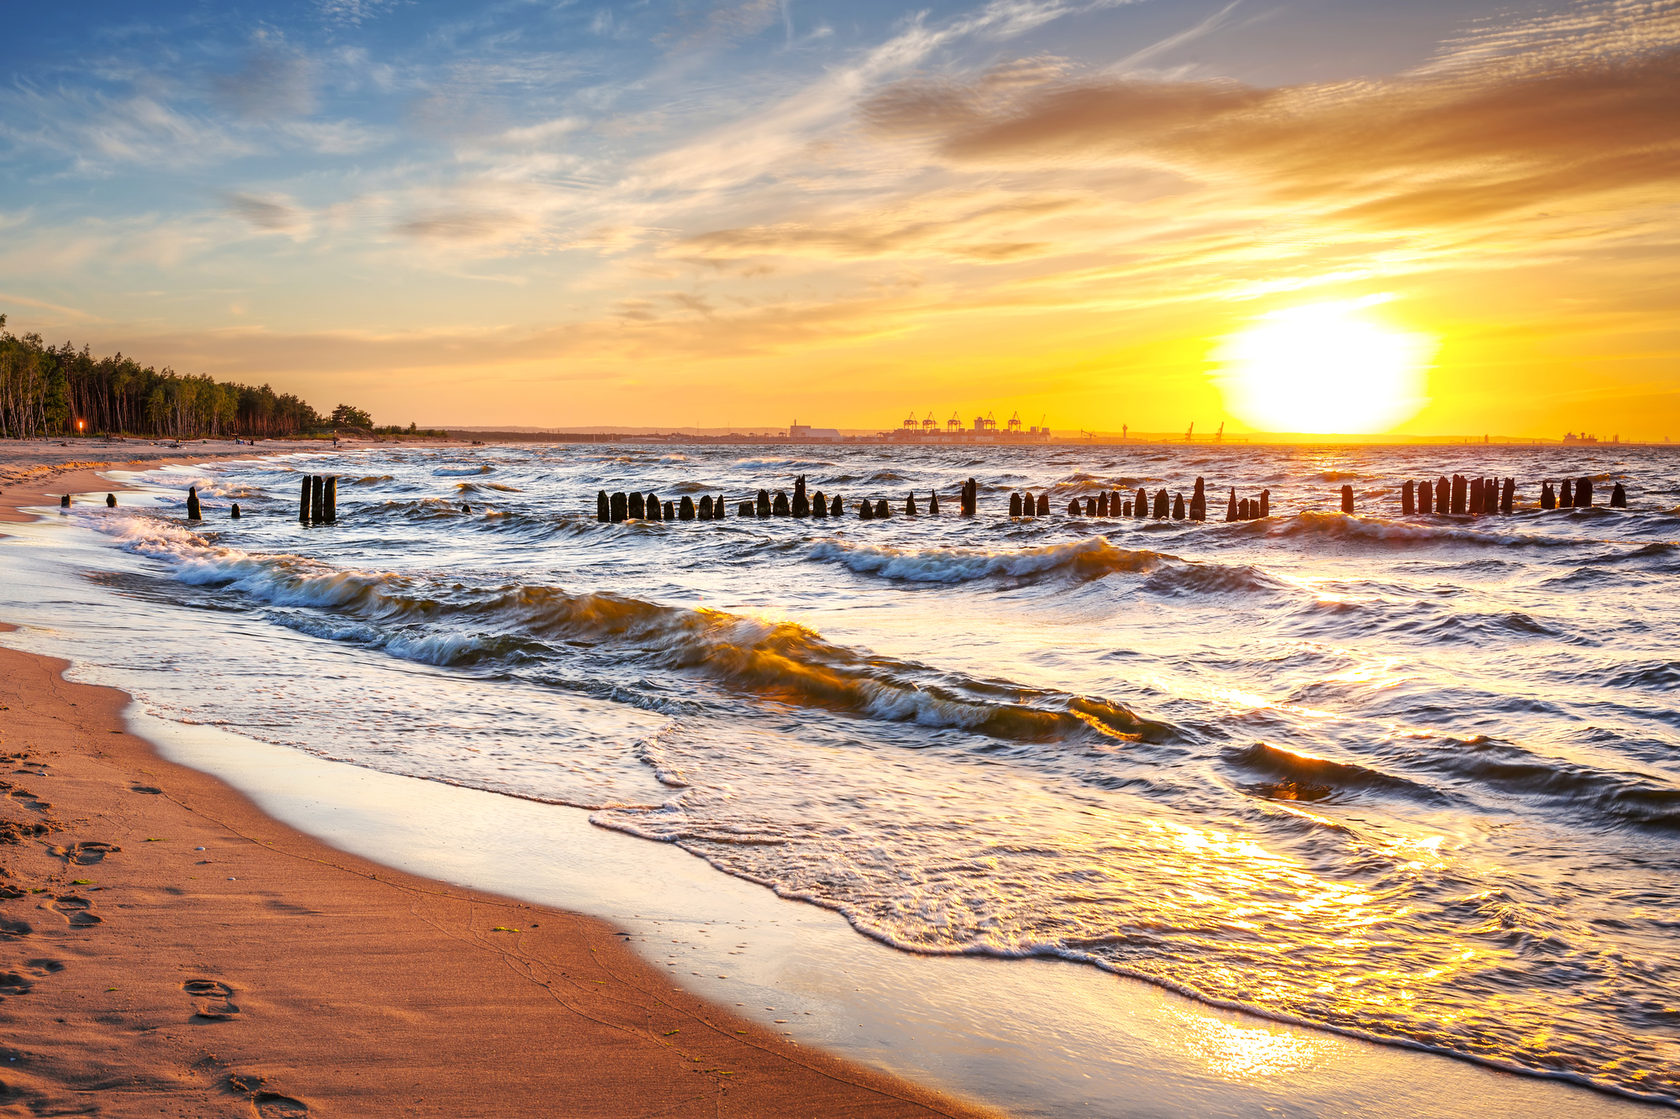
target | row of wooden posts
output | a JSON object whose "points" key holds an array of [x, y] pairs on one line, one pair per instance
{"points": [[318, 499], [1475, 497], [1460, 496], [1140, 505], [617, 507]]}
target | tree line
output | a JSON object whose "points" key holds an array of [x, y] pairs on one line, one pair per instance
{"points": [[48, 390]]}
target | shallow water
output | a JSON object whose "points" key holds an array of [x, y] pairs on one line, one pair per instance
{"points": [[1413, 778]]}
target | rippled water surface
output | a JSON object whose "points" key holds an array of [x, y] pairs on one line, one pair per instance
{"points": [[1416, 778]]}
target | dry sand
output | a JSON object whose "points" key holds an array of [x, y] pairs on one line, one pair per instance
{"points": [[167, 949]]}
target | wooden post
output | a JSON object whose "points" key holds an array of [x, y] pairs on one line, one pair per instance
{"points": [[866, 511], [1161, 505], [745, 509], [1115, 501], [685, 511], [64, 502], [835, 508], [303, 502], [1140, 504], [1198, 502], [1102, 504], [234, 512], [1090, 506], [933, 503], [882, 512], [780, 507], [1043, 505], [603, 509], [1583, 493], [1566, 494], [1265, 503], [317, 498], [1508, 497], [1073, 508], [1347, 499], [110, 501], [1231, 507], [1128, 509], [1408, 498], [1178, 507], [1242, 509], [1476, 489], [1460, 494], [620, 510], [1548, 499], [819, 505], [194, 513], [332, 499], [762, 506], [1618, 497], [637, 509], [704, 512], [719, 510], [910, 505], [651, 505], [801, 503], [970, 498], [670, 510], [1014, 504]]}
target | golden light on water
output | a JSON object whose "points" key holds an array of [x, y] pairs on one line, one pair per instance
{"points": [[1324, 368]]}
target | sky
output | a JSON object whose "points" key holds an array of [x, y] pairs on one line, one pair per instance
{"points": [[728, 213]]}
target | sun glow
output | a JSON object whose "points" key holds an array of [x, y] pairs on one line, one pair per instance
{"points": [[1324, 368]]}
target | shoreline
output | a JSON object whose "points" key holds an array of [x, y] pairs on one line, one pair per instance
{"points": [[169, 944], [1176, 1043], [276, 969]]}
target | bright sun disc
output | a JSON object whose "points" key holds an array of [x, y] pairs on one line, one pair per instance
{"points": [[1324, 368]]}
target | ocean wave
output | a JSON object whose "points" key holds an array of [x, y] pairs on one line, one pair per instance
{"points": [[1187, 577], [1504, 767], [1296, 776], [1661, 675], [1379, 530], [461, 471], [485, 487], [778, 662], [1092, 558]]}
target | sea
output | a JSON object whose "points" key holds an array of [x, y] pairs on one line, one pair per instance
{"points": [[1413, 778]]}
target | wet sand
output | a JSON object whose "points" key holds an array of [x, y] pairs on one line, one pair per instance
{"points": [[166, 948]]}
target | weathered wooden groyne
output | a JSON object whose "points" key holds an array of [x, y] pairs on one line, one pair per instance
{"points": [[318, 499], [1458, 495]]}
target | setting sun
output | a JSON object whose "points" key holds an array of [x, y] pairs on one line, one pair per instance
{"points": [[1324, 368]]}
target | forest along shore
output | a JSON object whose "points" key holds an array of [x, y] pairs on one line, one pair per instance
{"points": [[163, 944]]}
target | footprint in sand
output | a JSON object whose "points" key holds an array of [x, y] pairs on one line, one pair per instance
{"points": [[272, 1105], [42, 967], [75, 910], [17, 793], [213, 999], [11, 927], [268, 1105], [86, 854], [11, 983]]}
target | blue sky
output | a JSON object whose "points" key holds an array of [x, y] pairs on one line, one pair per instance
{"points": [[562, 201]]}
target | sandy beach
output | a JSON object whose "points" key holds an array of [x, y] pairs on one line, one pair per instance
{"points": [[169, 949]]}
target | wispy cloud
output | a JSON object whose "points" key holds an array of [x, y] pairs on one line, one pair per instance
{"points": [[275, 82]]}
